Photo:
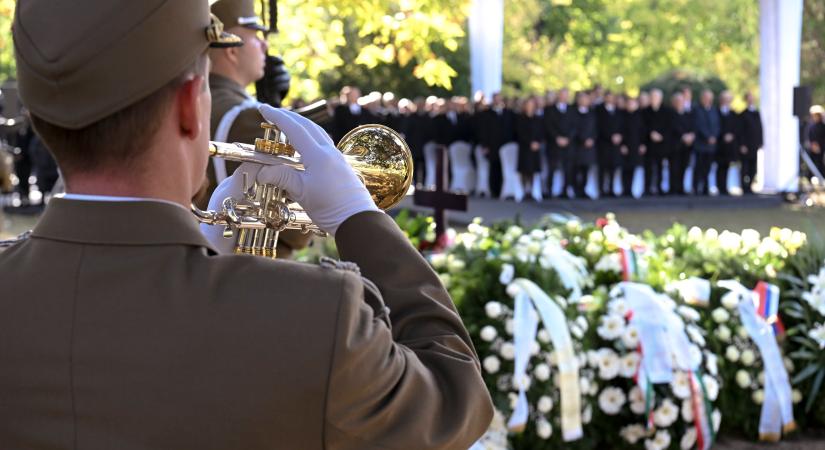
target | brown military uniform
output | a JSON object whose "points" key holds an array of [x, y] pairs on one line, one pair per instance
{"points": [[120, 329]]}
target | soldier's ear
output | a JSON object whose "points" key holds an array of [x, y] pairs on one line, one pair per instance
{"points": [[190, 107]]}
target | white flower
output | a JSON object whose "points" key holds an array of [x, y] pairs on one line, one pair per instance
{"points": [[582, 322], [660, 441], [522, 382], [720, 315], [748, 357], [545, 404], [796, 396], [507, 274], [750, 238], [630, 337], [535, 348], [788, 364], [611, 400], [730, 300], [711, 362], [723, 333], [488, 333], [711, 234], [629, 364], [491, 364], [509, 326], [543, 336], [612, 326], [817, 333], [593, 358], [493, 309], [666, 414], [688, 313], [438, 260], [542, 372], [632, 433], [513, 397], [742, 332], [695, 354], [587, 414], [637, 400], [761, 378], [695, 335], [743, 379], [758, 396], [688, 439], [617, 306], [711, 387], [680, 385], [576, 331], [610, 262], [508, 350], [687, 410], [694, 234], [584, 384], [454, 264], [608, 364], [716, 418], [543, 429], [513, 290], [732, 353]]}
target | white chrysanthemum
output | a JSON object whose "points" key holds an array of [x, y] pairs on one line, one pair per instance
{"points": [[587, 414], [617, 307], [509, 326], [507, 351], [543, 429], [711, 234], [543, 336], [535, 348], [723, 333], [522, 382], [507, 274], [750, 238], [660, 441], [695, 354], [576, 331], [637, 400], [720, 315], [542, 372], [612, 326], [455, 264], [680, 385], [817, 333], [796, 396], [742, 332], [608, 364], [732, 353], [687, 410], [695, 335], [743, 379], [629, 364], [491, 364], [666, 413], [630, 337], [488, 333], [438, 260], [513, 290], [611, 263], [761, 378], [493, 309], [712, 363], [748, 357], [688, 439], [688, 313], [632, 433], [582, 322], [545, 404], [716, 418], [758, 396], [695, 234], [711, 387], [611, 400], [730, 301], [513, 397], [593, 358]]}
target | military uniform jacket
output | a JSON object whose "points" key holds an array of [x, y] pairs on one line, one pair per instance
{"points": [[121, 329], [227, 94]]}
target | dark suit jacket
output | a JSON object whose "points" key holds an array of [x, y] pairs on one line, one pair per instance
{"points": [[556, 124], [495, 129], [729, 123], [707, 126], [142, 338], [751, 131], [608, 123], [634, 134], [658, 120], [343, 120]]}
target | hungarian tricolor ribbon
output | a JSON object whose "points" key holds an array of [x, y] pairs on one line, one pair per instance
{"points": [[630, 258]]}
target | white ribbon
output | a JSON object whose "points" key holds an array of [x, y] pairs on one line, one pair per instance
{"points": [[525, 326], [777, 408]]}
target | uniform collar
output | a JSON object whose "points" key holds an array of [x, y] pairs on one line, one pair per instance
{"points": [[221, 82], [136, 222]]}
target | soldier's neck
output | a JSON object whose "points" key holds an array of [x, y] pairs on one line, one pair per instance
{"points": [[230, 74]]}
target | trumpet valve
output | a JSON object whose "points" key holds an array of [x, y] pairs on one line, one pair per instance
{"points": [[274, 142]]}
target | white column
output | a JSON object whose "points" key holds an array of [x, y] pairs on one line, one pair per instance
{"points": [[780, 36], [486, 43]]}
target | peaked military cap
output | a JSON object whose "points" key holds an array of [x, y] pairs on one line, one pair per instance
{"points": [[238, 13]]}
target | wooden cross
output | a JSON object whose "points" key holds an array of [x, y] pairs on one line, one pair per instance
{"points": [[440, 199]]}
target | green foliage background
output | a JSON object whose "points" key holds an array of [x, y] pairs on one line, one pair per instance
{"points": [[419, 47]]}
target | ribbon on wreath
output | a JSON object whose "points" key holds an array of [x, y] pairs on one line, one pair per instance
{"points": [[776, 416], [768, 306], [529, 298], [630, 257], [665, 347]]}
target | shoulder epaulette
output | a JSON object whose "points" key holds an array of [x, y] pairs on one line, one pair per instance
{"points": [[9, 242]]}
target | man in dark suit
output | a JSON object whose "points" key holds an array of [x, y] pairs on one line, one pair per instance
{"points": [[146, 335], [609, 123], [682, 137], [495, 128], [634, 147], [751, 141], [657, 123], [349, 114], [418, 130], [726, 151], [708, 127], [560, 126]]}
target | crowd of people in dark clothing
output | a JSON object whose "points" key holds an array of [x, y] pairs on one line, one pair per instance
{"points": [[680, 146]]}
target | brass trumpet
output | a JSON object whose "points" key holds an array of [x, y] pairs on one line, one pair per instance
{"points": [[377, 154]]}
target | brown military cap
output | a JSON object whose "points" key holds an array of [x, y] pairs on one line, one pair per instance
{"points": [[79, 61], [238, 13]]}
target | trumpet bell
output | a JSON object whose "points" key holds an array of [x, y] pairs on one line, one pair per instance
{"points": [[381, 158]]}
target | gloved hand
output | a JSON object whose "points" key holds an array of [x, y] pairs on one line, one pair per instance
{"points": [[232, 186], [328, 189]]}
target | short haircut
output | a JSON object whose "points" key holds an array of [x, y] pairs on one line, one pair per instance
{"points": [[115, 140]]}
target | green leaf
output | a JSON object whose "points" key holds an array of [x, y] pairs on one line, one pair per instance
{"points": [[814, 390], [806, 373]]}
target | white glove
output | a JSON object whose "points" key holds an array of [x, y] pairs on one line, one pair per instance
{"points": [[231, 186], [328, 189]]}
